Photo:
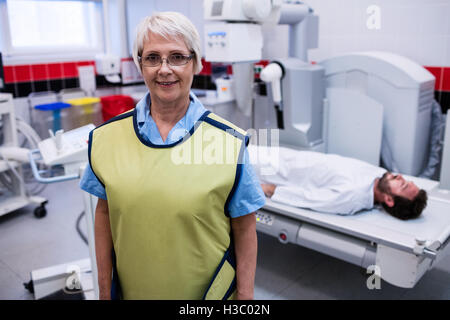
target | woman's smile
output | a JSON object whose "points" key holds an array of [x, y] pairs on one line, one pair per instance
{"points": [[167, 84]]}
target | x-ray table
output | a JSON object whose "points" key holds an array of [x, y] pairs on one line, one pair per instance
{"points": [[402, 250]]}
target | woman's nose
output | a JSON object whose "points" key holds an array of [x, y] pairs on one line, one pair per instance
{"points": [[164, 68]]}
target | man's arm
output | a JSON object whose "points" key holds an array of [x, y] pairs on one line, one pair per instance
{"points": [[268, 189], [246, 247], [103, 249]]}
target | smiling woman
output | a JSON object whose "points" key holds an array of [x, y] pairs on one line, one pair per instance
{"points": [[167, 53], [178, 230]]}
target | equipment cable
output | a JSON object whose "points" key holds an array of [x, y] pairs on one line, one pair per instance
{"points": [[80, 233]]}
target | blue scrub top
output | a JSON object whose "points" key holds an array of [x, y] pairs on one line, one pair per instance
{"points": [[248, 196]]}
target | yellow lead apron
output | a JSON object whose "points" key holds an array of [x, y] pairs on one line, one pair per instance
{"points": [[168, 208]]}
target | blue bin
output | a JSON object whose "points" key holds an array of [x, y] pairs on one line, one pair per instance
{"points": [[50, 117]]}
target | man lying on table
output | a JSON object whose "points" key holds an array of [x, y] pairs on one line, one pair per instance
{"points": [[333, 184]]}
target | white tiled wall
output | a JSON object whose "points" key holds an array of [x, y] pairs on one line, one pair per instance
{"points": [[139, 9], [417, 29]]}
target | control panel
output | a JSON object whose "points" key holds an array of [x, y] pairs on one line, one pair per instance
{"points": [[67, 147], [283, 228], [264, 218], [233, 42]]}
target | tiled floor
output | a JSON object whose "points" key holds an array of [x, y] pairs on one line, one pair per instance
{"points": [[283, 271], [28, 243]]}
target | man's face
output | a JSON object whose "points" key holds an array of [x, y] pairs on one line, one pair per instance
{"points": [[396, 185]]}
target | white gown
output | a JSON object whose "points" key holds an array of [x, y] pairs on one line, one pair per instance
{"points": [[321, 182]]}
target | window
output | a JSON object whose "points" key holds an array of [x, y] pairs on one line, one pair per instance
{"points": [[51, 26]]}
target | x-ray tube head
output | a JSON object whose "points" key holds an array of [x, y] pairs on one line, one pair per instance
{"points": [[272, 74]]}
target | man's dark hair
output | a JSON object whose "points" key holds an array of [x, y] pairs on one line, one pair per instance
{"points": [[406, 209]]}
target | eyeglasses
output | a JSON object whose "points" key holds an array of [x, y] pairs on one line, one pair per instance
{"points": [[175, 60]]}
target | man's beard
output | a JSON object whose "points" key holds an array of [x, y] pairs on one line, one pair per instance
{"points": [[383, 184]]}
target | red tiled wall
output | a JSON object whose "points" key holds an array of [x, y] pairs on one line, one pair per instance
{"points": [[442, 75], [445, 82], [55, 76], [207, 69], [437, 72], [50, 71], [37, 72]]}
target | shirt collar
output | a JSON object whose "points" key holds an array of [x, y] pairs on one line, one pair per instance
{"points": [[145, 120], [143, 108]]}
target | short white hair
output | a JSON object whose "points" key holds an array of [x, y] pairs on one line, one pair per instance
{"points": [[168, 24]]}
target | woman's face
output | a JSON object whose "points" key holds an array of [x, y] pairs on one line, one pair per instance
{"points": [[166, 83]]}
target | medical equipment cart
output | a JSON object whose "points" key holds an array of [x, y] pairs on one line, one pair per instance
{"points": [[14, 196], [70, 150]]}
